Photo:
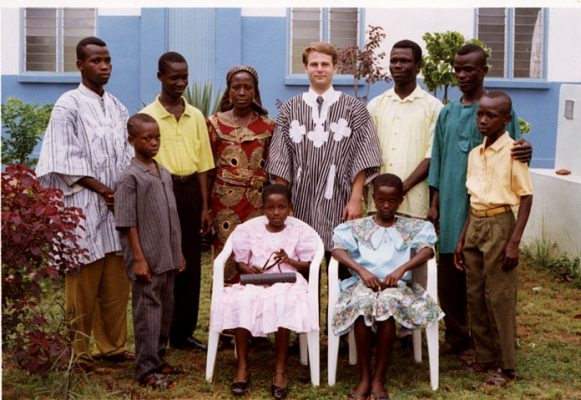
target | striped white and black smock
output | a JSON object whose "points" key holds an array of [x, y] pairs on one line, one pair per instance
{"points": [[320, 155], [87, 136], [147, 202]]}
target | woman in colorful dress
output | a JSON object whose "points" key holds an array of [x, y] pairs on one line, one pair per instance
{"points": [[240, 135], [378, 250]]}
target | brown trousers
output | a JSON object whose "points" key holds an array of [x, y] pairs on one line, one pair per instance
{"points": [[491, 290], [96, 303]]}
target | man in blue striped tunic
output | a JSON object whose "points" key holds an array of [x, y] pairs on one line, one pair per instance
{"points": [[84, 151], [325, 147]]}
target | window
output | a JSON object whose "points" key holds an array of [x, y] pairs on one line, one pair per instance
{"points": [[51, 36], [339, 26], [516, 37]]}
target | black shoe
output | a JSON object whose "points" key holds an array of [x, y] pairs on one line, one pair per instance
{"points": [[190, 344]]}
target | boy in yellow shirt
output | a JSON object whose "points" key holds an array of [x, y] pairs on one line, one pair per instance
{"points": [[488, 248]]}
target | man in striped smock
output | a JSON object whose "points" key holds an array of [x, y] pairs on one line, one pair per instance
{"points": [[84, 151], [325, 147]]}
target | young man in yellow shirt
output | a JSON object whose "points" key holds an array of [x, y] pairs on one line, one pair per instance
{"points": [[186, 153]]}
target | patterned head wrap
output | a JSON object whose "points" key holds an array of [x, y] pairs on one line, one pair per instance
{"points": [[226, 104]]}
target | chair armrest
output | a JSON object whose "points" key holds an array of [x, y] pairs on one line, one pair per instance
{"points": [[218, 275], [333, 295], [314, 268], [432, 284]]}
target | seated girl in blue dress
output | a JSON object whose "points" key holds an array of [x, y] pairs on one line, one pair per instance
{"points": [[377, 249]]}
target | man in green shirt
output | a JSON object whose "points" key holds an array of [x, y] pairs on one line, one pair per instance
{"points": [[456, 134]]}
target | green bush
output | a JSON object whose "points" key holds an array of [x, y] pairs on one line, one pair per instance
{"points": [[438, 63], [24, 125]]}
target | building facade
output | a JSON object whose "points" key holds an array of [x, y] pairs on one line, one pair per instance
{"points": [[535, 50]]}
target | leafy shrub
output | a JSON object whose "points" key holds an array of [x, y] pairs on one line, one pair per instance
{"points": [[24, 124], [39, 242]]}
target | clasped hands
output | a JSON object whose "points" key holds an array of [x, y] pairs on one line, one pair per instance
{"points": [[376, 284]]}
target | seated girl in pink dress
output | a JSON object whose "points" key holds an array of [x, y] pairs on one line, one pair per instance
{"points": [[281, 307], [378, 251]]}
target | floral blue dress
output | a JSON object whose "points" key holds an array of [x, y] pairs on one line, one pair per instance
{"points": [[381, 251]]}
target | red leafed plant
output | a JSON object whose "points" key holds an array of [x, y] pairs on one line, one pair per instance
{"points": [[39, 243], [365, 63]]}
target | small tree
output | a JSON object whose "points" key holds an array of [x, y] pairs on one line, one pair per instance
{"points": [[39, 240], [366, 63], [24, 124], [438, 63]]}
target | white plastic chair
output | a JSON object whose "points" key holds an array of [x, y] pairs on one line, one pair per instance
{"points": [[309, 342], [426, 275]]}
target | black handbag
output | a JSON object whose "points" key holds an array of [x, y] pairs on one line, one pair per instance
{"points": [[268, 279]]}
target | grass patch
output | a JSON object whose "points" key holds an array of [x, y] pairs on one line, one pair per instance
{"points": [[545, 255], [549, 339]]}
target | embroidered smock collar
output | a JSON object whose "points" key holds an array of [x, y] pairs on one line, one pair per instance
{"points": [[401, 233]]}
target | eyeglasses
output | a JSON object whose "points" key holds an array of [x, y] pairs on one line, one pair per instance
{"points": [[266, 266]]}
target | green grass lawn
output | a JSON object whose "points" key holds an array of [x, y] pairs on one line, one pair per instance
{"points": [[549, 362]]}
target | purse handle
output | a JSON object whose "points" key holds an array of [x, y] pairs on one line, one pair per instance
{"points": [[266, 267]]}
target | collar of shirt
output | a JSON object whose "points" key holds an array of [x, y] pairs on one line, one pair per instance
{"points": [[329, 97], [416, 94], [502, 141], [140, 165], [161, 112], [88, 92]]}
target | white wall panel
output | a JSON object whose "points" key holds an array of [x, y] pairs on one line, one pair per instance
{"points": [[564, 50], [10, 33]]}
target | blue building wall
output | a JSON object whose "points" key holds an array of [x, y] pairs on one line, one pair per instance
{"points": [[136, 43]]}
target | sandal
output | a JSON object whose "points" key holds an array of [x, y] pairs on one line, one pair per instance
{"points": [[239, 388], [156, 381], [279, 392], [481, 368], [167, 369], [378, 396], [357, 395], [501, 378]]}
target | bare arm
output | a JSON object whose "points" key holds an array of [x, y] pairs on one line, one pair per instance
{"points": [[458, 256], [280, 181], [300, 266], [434, 212], [352, 209], [140, 266], [512, 251], [98, 187], [204, 217], [417, 176], [370, 280], [418, 259]]}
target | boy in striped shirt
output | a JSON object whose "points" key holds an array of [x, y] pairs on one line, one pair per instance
{"points": [[147, 218]]}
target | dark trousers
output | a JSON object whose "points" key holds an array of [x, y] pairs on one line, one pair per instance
{"points": [[452, 295], [187, 283], [152, 313]]}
